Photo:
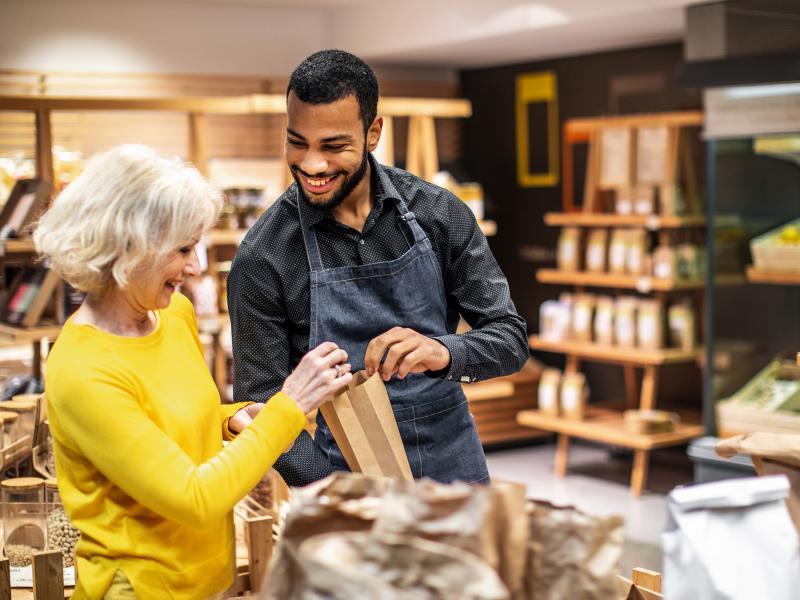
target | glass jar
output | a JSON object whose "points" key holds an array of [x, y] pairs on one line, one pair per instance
{"points": [[24, 405], [8, 430], [61, 535], [24, 519]]}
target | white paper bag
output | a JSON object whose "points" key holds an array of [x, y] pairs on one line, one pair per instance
{"points": [[731, 540]]}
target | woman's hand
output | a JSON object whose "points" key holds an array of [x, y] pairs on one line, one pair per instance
{"points": [[318, 377], [244, 416]]}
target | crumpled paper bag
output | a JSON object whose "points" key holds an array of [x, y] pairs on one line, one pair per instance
{"points": [[341, 502], [345, 566], [572, 555]]}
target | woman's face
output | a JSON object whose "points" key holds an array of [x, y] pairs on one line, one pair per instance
{"points": [[152, 288]]}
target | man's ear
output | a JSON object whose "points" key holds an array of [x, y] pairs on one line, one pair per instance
{"points": [[374, 133]]}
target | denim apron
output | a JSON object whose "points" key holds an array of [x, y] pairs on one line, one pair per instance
{"points": [[352, 305]]}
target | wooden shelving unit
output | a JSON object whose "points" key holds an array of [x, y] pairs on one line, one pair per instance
{"points": [[773, 277], [606, 424], [650, 222]]}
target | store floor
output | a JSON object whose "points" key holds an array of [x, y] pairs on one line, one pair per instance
{"points": [[597, 482]]}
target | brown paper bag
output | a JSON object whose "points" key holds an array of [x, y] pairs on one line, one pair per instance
{"points": [[513, 535], [340, 502], [572, 554], [391, 567], [772, 454], [363, 425], [456, 514]]}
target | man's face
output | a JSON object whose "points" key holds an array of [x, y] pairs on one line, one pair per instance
{"points": [[326, 148]]}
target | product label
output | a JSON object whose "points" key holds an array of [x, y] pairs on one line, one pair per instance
{"points": [[22, 577], [570, 397], [547, 397]]}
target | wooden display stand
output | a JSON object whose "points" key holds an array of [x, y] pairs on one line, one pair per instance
{"points": [[606, 424]]}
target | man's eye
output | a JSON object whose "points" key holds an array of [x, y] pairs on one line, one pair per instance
{"points": [[295, 143], [337, 148]]}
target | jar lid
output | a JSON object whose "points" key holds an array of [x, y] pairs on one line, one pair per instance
{"points": [[7, 415], [51, 483], [21, 403], [21, 484]]}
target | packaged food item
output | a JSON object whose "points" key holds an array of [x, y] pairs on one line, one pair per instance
{"points": [[690, 261], [568, 257], [649, 421], [596, 250], [682, 326], [625, 321], [554, 320], [582, 317], [665, 262], [604, 320], [623, 202], [618, 251], [548, 393], [644, 200], [650, 324], [636, 252], [574, 395]]}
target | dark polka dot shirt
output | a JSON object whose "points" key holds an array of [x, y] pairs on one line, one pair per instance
{"points": [[268, 286]]}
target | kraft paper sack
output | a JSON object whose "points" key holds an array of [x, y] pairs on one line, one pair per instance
{"points": [[364, 427], [731, 540]]}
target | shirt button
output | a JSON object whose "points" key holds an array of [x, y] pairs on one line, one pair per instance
{"points": [[465, 379], [361, 241]]}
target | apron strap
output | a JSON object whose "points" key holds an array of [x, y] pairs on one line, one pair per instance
{"points": [[411, 220], [312, 248]]}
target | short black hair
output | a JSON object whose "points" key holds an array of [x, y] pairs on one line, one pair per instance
{"points": [[330, 75]]}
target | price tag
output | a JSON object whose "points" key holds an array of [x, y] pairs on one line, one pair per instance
{"points": [[22, 577]]}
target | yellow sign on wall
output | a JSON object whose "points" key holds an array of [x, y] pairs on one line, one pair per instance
{"points": [[537, 88]]}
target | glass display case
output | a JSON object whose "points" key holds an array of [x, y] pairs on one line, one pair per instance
{"points": [[752, 381]]}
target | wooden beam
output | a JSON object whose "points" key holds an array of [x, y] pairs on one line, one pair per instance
{"points": [[259, 542], [44, 145], [684, 119], [5, 579], [198, 142]]}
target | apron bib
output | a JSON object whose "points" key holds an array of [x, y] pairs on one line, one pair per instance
{"points": [[352, 305]]}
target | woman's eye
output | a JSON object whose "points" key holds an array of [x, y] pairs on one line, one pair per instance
{"points": [[186, 250]]}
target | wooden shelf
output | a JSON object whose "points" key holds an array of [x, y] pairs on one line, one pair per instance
{"points": [[29, 334], [773, 277], [615, 354], [652, 222], [607, 426], [17, 246], [640, 283]]}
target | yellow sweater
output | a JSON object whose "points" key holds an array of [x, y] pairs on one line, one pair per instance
{"points": [[137, 427]]}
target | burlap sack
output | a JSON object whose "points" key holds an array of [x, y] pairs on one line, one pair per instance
{"points": [[391, 567], [572, 555]]}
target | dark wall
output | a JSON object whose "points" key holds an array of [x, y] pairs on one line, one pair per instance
{"points": [[587, 86]]}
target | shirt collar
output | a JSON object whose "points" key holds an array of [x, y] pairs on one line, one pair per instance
{"points": [[383, 187]]}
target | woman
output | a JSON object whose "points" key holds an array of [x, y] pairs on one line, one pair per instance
{"points": [[136, 419]]}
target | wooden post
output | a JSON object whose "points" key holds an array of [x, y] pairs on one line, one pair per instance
{"points": [[384, 153], [592, 173], [649, 388], [650, 580], [5, 579], [44, 146], [259, 543], [36, 368], [562, 455], [48, 576], [430, 156], [198, 142], [413, 159], [639, 473]]}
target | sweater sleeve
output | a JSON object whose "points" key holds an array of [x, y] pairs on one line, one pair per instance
{"points": [[134, 454]]}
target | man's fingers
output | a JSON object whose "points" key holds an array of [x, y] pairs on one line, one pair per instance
{"points": [[378, 345], [412, 363], [394, 355]]}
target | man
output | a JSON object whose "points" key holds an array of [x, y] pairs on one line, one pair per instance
{"points": [[381, 263]]}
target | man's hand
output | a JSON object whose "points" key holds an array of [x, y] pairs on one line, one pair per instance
{"points": [[244, 416], [406, 352]]}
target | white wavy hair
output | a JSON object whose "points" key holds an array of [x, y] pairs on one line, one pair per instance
{"points": [[128, 208]]}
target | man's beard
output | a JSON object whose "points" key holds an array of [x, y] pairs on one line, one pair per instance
{"points": [[350, 183]]}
